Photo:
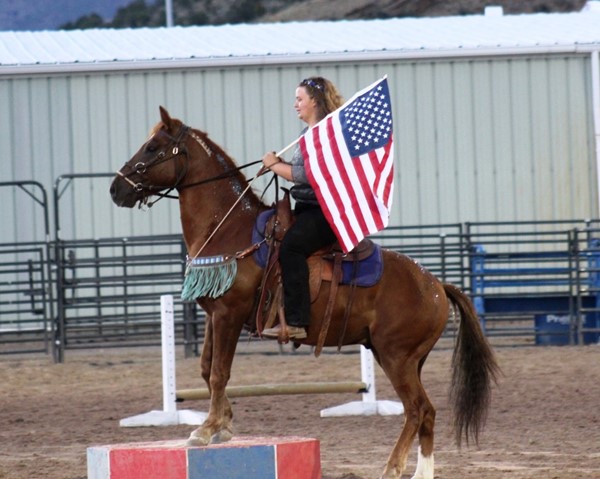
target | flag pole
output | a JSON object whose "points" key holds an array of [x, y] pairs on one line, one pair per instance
{"points": [[264, 169], [289, 146]]}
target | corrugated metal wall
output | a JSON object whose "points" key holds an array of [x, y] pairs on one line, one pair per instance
{"points": [[476, 139], [495, 140]]}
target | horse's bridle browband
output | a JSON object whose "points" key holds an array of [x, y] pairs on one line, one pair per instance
{"points": [[176, 150], [140, 167]]}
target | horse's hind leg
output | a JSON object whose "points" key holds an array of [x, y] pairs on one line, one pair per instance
{"points": [[419, 417], [425, 458]]}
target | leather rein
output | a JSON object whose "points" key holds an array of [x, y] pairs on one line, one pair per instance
{"points": [[174, 149]]}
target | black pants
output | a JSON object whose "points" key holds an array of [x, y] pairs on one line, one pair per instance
{"points": [[309, 233]]}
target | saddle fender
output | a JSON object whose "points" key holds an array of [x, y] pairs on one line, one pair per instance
{"points": [[324, 265]]}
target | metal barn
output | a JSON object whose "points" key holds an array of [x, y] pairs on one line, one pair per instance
{"points": [[497, 120], [497, 117]]}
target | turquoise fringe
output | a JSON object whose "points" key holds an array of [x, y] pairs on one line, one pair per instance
{"points": [[208, 281]]}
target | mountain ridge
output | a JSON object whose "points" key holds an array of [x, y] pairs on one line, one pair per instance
{"points": [[36, 15]]}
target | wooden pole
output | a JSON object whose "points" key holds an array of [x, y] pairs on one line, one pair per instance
{"points": [[277, 389]]}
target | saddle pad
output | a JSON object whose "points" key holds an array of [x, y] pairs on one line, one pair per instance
{"points": [[368, 271], [258, 234]]}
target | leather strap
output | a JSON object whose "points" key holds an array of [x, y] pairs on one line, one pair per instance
{"points": [[270, 269], [249, 250], [350, 301], [335, 281]]}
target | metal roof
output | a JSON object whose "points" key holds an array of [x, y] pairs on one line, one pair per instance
{"points": [[109, 49]]}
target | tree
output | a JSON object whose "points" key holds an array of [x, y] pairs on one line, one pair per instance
{"points": [[245, 11], [88, 21], [136, 14]]}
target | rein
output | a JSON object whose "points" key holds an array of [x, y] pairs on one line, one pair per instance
{"points": [[243, 253], [140, 168], [221, 222]]}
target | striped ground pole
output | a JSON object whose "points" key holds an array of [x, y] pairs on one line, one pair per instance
{"points": [[242, 457]]}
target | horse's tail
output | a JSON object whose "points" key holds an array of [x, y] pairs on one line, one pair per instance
{"points": [[474, 368]]}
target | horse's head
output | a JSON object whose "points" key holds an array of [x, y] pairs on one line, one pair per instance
{"points": [[160, 164]]}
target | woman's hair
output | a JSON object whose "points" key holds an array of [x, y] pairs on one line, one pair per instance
{"points": [[324, 93]]}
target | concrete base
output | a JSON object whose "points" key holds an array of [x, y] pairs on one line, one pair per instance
{"points": [[241, 458], [364, 408]]}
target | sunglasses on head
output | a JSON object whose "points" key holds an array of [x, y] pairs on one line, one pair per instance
{"points": [[312, 84]]}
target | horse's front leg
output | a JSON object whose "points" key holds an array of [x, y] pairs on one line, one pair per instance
{"points": [[207, 355], [220, 342]]}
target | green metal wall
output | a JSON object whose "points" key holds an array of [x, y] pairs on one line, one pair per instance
{"points": [[486, 139]]}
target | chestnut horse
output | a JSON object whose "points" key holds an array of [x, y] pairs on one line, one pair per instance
{"points": [[399, 319]]}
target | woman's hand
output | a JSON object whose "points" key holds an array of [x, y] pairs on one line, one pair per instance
{"points": [[270, 159], [273, 163]]}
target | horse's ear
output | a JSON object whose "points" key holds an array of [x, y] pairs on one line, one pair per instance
{"points": [[165, 117]]}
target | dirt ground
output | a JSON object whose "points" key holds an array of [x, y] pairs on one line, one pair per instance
{"points": [[544, 421]]}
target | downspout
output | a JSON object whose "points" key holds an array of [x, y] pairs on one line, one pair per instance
{"points": [[596, 112]]}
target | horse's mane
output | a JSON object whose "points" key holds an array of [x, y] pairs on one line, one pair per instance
{"points": [[215, 148], [222, 155]]}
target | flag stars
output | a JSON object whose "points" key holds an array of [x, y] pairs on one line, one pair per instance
{"points": [[367, 121]]}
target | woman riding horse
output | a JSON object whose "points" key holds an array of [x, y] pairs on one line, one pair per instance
{"points": [[400, 318], [316, 97]]}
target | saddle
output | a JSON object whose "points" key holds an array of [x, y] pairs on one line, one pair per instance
{"points": [[327, 264]]}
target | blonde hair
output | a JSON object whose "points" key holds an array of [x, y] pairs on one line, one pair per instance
{"points": [[324, 92]]}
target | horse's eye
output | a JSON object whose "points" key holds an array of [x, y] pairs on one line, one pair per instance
{"points": [[151, 147]]}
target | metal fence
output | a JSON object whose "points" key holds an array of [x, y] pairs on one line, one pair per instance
{"points": [[108, 291], [26, 300], [536, 280], [531, 283]]}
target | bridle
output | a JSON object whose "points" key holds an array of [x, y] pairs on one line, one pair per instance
{"points": [[175, 148]]}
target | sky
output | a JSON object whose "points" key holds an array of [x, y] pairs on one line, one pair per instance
{"points": [[50, 14]]}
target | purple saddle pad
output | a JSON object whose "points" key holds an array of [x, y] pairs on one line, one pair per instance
{"points": [[366, 273], [258, 234]]}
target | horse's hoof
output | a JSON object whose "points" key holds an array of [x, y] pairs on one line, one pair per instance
{"points": [[221, 436], [391, 474], [196, 441]]}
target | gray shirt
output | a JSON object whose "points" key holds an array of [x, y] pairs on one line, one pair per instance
{"points": [[302, 189]]}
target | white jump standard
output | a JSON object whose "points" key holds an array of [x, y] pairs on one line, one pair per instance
{"points": [[169, 416]]}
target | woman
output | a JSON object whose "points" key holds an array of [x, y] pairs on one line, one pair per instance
{"points": [[316, 97]]}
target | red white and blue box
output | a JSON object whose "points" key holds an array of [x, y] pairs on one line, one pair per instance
{"points": [[240, 458]]}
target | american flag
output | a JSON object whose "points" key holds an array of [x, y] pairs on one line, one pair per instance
{"points": [[349, 162]]}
